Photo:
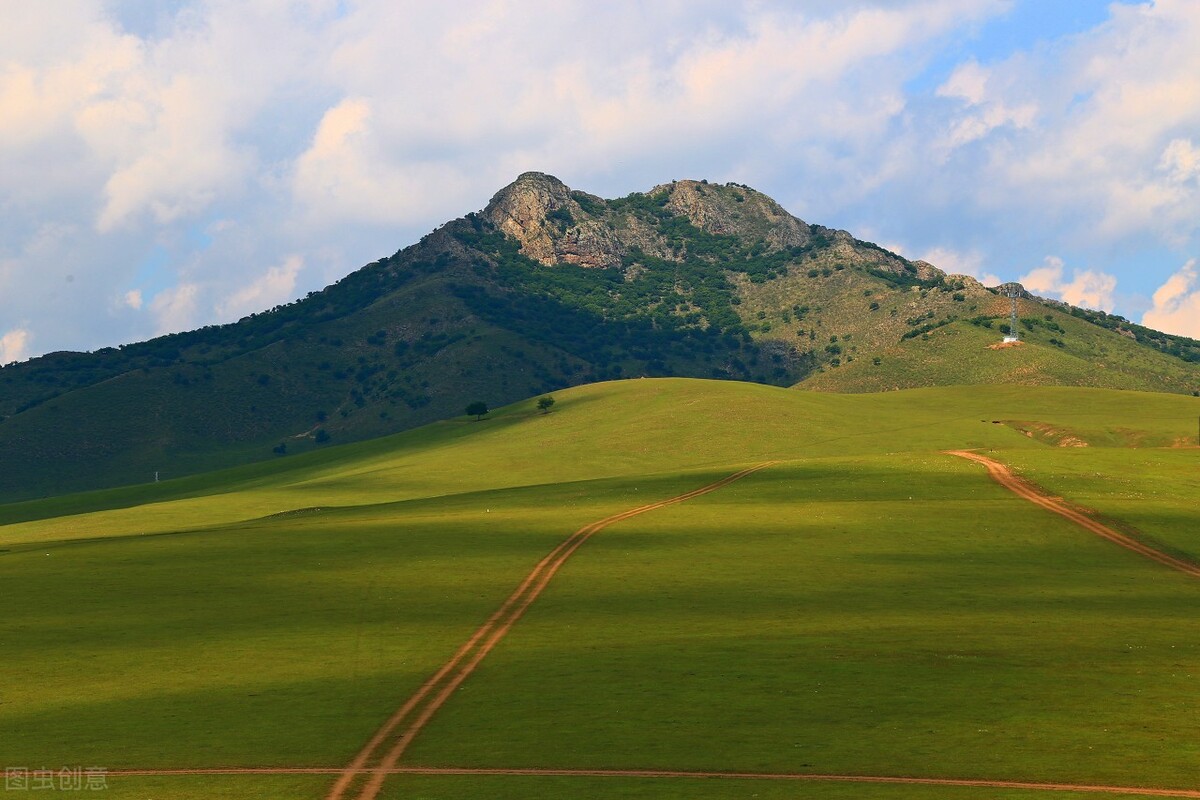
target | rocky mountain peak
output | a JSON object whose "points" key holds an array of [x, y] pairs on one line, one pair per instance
{"points": [[735, 210], [526, 209], [530, 191], [557, 225], [546, 217]]}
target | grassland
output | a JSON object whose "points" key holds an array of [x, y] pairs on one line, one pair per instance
{"points": [[866, 606], [1072, 353]]}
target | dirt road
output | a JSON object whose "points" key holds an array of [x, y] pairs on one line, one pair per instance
{"points": [[655, 773], [1039, 496], [380, 756], [411, 717]]}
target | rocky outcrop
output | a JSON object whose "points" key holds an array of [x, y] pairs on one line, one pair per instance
{"points": [[545, 216], [523, 211], [735, 210], [556, 225], [969, 283], [927, 271]]}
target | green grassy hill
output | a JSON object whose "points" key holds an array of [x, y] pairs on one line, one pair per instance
{"points": [[1058, 349], [546, 288], [867, 606]]}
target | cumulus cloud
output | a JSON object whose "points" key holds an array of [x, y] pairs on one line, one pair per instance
{"points": [[1086, 289], [276, 286], [338, 132], [147, 125], [349, 173], [496, 97], [1180, 160], [175, 309], [363, 125], [14, 345], [1104, 153], [983, 111], [1177, 303]]}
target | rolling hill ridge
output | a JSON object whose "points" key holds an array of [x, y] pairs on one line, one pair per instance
{"points": [[549, 287]]}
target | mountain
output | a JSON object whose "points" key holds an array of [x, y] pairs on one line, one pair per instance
{"points": [[549, 287]]}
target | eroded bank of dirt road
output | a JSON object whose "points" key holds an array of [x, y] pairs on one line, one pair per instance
{"points": [[384, 749], [1035, 494]]}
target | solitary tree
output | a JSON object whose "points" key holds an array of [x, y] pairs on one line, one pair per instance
{"points": [[478, 410], [545, 403]]}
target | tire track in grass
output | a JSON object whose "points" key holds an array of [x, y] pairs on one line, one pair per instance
{"points": [[432, 694], [983, 783], [1035, 494]]}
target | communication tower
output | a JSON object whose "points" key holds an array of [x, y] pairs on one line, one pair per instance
{"points": [[1013, 291]]}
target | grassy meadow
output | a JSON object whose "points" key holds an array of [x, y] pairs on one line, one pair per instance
{"points": [[866, 606]]}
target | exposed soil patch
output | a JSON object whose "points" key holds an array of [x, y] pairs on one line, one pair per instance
{"points": [[1048, 434]]}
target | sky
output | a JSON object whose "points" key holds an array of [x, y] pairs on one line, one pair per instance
{"points": [[168, 165]]}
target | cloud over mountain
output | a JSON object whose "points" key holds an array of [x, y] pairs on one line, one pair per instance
{"points": [[167, 153]]}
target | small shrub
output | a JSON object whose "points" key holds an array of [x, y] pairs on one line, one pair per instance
{"points": [[561, 216]]}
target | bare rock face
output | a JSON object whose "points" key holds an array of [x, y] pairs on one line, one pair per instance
{"points": [[541, 213], [522, 210], [735, 210], [590, 243], [969, 283], [556, 225], [927, 271]]}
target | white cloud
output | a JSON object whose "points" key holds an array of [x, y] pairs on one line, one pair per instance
{"points": [[338, 132], [133, 299], [502, 97], [42, 91], [1106, 155], [1180, 160], [358, 127], [350, 173], [276, 286], [1086, 289], [1177, 303], [968, 82], [14, 345], [175, 308], [984, 113], [147, 126]]}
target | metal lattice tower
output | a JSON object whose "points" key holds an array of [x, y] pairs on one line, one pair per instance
{"points": [[1013, 291]]}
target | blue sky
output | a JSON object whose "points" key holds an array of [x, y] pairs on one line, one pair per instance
{"points": [[166, 165]]}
